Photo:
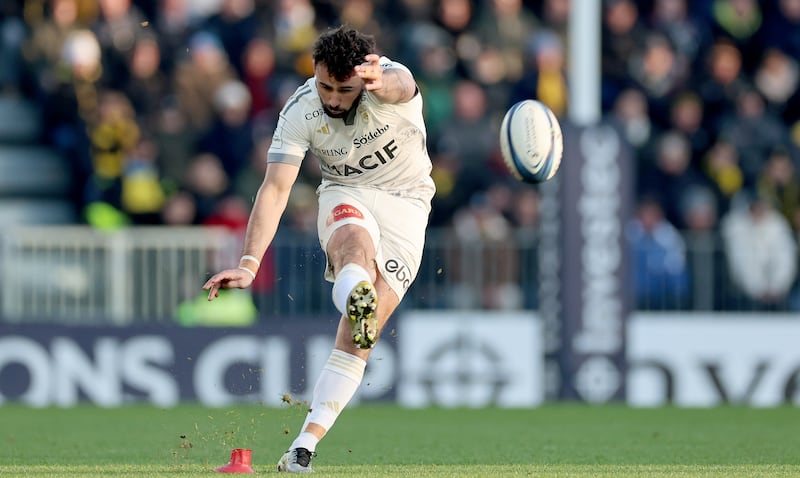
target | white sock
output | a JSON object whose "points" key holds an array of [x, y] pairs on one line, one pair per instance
{"points": [[305, 440], [336, 385], [347, 278]]}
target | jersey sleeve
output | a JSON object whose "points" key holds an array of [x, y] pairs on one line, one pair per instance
{"points": [[290, 141], [388, 64]]}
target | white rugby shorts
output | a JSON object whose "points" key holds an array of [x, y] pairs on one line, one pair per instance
{"points": [[396, 224]]}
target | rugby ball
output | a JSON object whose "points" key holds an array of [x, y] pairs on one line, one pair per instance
{"points": [[531, 142]]}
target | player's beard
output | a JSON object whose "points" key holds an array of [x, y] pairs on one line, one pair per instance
{"points": [[341, 113]]}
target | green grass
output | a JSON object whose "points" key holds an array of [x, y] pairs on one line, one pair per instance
{"points": [[551, 441]]}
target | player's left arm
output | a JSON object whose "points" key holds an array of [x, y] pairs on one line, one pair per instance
{"points": [[393, 85]]}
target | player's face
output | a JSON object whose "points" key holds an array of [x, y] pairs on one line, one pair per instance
{"points": [[337, 96]]}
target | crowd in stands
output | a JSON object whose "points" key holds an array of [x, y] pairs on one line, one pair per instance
{"points": [[165, 110]]}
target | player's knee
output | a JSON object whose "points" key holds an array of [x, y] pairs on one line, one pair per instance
{"points": [[350, 243], [349, 233]]}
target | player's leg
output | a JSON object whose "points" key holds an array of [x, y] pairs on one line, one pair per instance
{"points": [[350, 236], [346, 363], [337, 383], [386, 306], [351, 254]]}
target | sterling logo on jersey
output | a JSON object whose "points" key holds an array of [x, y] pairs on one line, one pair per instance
{"points": [[370, 137], [380, 157], [330, 151]]}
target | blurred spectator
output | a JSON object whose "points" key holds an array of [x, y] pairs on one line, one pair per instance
{"points": [[142, 196], [526, 213], [114, 134], [258, 74], [413, 10], [555, 14], [671, 175], [489, 278], [179, 209], [761, 253], [688, 34], [70, 104], [623, 38], [197, 79], [469, 137], [721, 81], [117, 28], [660, 273], [230, 134], [504, 27], [546, 77], [175, 139], [457, 19], [365, 17], [777, 79], [173, 26], [208, 183], [753, 131], [12, 37], [700, 210], [230, 212], [781, 28], [500, 196], [250, 177], [740, 21], [146, 85], [44, 47], [68, 90], [124, 165], [431, 54], [303, 259], [632, 113], [235, 25], [660, 71], [780, 184], [302, 208], [294, 24], [721, 165], [687, 116], [453, 186]]}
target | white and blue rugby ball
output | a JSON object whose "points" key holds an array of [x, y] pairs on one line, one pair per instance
{"points": [[531, 141]]}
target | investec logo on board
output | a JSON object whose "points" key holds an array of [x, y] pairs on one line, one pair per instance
{"points": [[591, 299]]}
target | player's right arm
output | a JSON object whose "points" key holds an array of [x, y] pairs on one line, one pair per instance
{"points": [[269, 205], [290, 141]]}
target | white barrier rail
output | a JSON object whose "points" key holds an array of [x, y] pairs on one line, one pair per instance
{"points": [[78, 275]]}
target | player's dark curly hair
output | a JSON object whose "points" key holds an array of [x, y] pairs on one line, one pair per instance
{"points": [[341, 50]]}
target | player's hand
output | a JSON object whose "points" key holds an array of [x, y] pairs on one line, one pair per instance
{"points": [[371, 72], [227, 279]]}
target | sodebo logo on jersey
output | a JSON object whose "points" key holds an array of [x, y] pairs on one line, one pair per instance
{"points": [[370, 136]]}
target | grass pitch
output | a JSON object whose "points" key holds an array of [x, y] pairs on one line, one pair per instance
{"points": [[376, 441]]}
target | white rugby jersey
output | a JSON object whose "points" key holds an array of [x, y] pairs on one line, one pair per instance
{"points": [[379, 145]]}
